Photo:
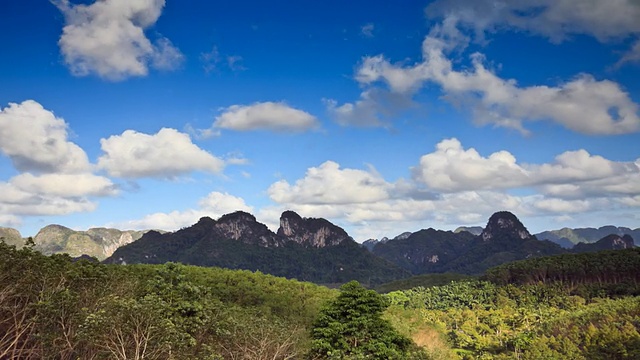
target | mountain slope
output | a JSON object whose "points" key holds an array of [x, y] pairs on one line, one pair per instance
{"points": [[303, 248]]}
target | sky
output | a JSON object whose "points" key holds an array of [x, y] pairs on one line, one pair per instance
{"points": [[381, 117]]}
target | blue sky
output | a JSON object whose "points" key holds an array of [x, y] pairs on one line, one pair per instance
{"points": [[381, 118]]}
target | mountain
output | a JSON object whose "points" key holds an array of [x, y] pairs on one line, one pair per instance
{"points": [[307, 249], [609, 242], [97, 242], [11, 236], [503, 239], [475, 230], [568, 237]]}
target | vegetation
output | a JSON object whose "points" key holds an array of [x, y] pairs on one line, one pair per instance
{"points": [[352, 327], [580, 306], [55, 308]]}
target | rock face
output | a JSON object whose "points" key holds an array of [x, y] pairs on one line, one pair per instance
{"points": [[303, 248], [243, 227], [11, 236], [97, 242], [311, 232]]}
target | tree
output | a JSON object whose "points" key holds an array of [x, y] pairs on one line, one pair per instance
{"points": [[352, 327]]}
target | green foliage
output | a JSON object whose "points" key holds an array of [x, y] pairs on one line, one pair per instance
{"points": [[52, 307], [425, 280], [538, 321], [577, 271], [352, 327]]}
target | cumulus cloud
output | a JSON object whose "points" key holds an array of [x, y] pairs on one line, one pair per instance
{"points": [[166, 154], [272, 116], [107, 38], [328, 184], [56, 177], [214, 205], [501, 102], [451, 168], [36, 140], [604, 20]]}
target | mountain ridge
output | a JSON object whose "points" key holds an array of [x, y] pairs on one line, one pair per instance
{"points": [[307, 249]]}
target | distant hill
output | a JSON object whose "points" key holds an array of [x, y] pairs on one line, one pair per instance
{"points": [[308, 249], [97, 242], [475, 230], [371, 243], [567, 237]]}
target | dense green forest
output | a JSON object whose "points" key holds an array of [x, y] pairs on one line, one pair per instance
{"points": [[582, 306]]}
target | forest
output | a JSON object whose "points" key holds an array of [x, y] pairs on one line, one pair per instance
{"points": [[56, 307]]}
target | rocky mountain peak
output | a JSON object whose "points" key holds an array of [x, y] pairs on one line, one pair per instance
{"points": [[504, 224], [310, 231], [243, 226]]}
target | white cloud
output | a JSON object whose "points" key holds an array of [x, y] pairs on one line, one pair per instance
{"points": [[328, 184], [12, 221], [56, 177], [555, 205], [167, 154], [214, 205], [451, 168], [14, 201], [65, 185], [501, 102], [107, 38], [36, 140], [278, 117], [604, 20]]}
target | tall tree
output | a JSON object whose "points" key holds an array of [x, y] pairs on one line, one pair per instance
{"points": [[352, 327]]}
